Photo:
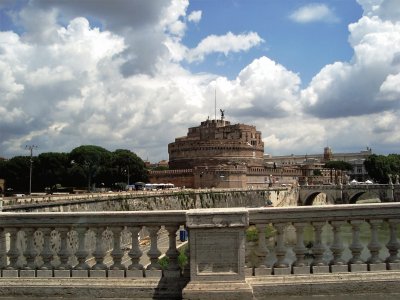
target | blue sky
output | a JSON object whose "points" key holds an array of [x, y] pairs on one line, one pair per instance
{"points": [[303, 48], [136, 74]]}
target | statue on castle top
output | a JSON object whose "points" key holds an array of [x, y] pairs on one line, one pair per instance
{"points": [[222, 113], [397, 179]]}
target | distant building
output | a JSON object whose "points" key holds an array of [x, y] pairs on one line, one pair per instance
{"points": [[356, 159]]}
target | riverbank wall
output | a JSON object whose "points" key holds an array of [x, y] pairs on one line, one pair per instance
{"points": [[157, 200]]}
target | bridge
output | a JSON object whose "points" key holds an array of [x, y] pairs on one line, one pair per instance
{"points": [[232, 253], [349, 194]]}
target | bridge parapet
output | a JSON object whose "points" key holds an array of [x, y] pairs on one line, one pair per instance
{"points": [[49, 245]]}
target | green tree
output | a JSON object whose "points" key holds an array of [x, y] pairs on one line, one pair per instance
{"points": [[338, 165], [52, 169], [92, 160], [128, 166], [380, 166], [16, 173]]}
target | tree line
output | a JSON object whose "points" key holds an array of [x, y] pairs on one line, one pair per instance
{"points": [[84, 167], [379, 167]]}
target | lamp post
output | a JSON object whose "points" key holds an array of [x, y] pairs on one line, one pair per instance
{"points": [[30, 148]]}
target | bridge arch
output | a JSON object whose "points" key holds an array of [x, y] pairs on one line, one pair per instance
{"points": [[311, 197], [353, 198]]}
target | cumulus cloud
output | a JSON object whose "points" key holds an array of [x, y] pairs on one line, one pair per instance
{"points": [[367, 84], [262, 89], [195, 16], [315, 12], [112, 74], [224, 44]]}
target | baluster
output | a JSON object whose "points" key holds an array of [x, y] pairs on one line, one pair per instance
{"points": [[300, 249], [356, 247], [13, 253], [64, 253], [280, 246], [117, 253], [172, 253], [81, 253], [135, 253], [3, 249], [30, 252], [337, 247], [393, 244], [262, 250], [153, 253], [99, 251], [374, 246], [46, 254], [318, 249]]}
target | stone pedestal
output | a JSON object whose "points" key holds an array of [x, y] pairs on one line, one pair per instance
{"points": [[339, 268], [217, 254]]}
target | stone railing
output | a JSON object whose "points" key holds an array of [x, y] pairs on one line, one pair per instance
{"points": [[286, 242], [77, 244], [325, 239]]}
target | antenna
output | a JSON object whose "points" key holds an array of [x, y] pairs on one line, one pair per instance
{"points": [[215, 103]]}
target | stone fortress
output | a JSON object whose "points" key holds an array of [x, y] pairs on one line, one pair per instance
{"points": [[218, 154]]}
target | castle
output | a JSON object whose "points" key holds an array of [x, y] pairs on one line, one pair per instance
{"points": [[217, 154]]}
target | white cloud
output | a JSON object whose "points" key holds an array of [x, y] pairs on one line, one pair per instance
{"points": [[224, 44], [314, 12], [195, 16], [361, 86], [122, 85]]}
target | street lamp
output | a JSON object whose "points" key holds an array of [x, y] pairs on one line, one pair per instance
{"points": [[30, 148]]}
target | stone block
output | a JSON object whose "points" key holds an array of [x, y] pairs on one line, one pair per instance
{"points": [[212, 290], [97, 273], [44, 273], [282, 271], [301, 270], [134, 273], [320, 269], [219, 238], [377, 267], [153, 273], [393, 266], [27, 273], [262, 271], [116, 273], [62, 273], [358, 267], [10, 273], [172, 273], [248, 272], [339, 268], [80, 273]]}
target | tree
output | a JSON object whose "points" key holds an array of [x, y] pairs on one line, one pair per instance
{"points": [[52, 169], [338, 165], [129, 167], [91, 159], [16, 172], [380, 166]]}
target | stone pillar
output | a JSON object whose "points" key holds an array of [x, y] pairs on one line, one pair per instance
{"points": [[217, 254]]}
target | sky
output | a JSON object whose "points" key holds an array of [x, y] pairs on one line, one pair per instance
{"points": [[136, 74]]}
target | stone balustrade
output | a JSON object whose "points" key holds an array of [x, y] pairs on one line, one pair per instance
{"points": [[325, 251], [289, 242], [77, 244]]}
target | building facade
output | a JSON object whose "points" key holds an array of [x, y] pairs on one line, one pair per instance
{"points": [[316, 161], [218, 154]]}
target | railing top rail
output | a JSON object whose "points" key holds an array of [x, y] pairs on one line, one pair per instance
{"points": [[116, 218], [325, 213]]}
